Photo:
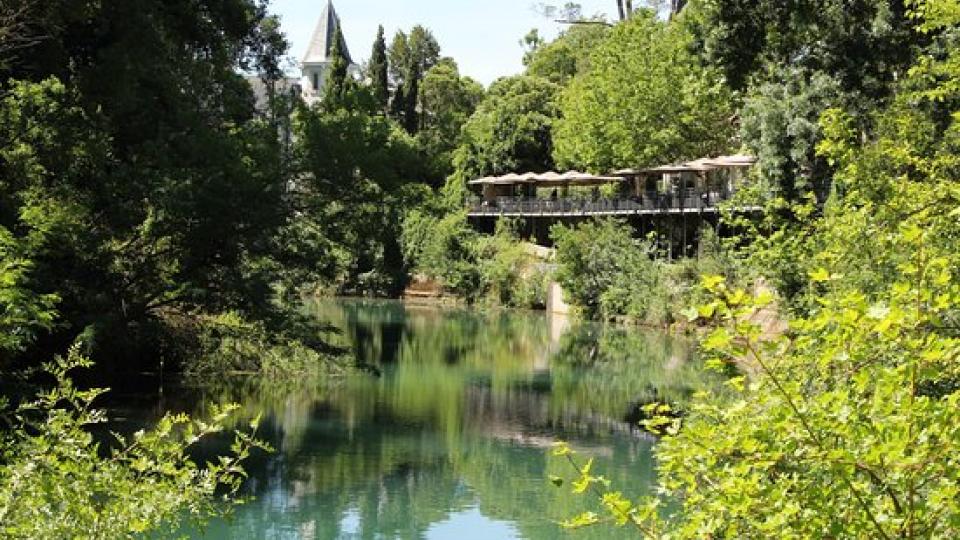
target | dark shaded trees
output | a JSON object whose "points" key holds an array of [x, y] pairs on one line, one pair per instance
{"points": [[410, 58], [793, 60], [143, 184], [338, 82], [378, 71]]}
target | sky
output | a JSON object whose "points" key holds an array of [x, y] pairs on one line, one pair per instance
{"points": [[481, 35]]}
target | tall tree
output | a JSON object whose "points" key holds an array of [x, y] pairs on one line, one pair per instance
{"points": [[447, 101], [378, 71], [563, 58], [398, 57], [510, 130], [424, 48], [411, 99], [338, 77]]}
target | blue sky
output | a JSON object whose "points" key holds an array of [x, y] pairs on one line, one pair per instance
{"points": [[481, 35]]}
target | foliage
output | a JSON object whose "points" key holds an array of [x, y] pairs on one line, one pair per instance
{"points": [[410, 58], [780, 127], [23, 311], [645, 101], [565, 57], [793, 62], [443, 248], [148, 184], [864, 44], [496, 269], [608, 274], [848, 427], [337, 84], [511, 129], [58, 481], [378, 71], [447, 100], [231, 345], [356, 166]]}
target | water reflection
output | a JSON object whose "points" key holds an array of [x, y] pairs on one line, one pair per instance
{"points": [[452, 439]]}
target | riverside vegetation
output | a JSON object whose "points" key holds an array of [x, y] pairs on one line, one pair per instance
{"points": [[153, 219]]}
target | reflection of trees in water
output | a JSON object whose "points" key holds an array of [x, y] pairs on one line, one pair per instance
{"points": [[609, 369], [398, 475], [463, 415]]}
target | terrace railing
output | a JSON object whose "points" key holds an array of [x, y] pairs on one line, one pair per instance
{"points": [[652, 202]]}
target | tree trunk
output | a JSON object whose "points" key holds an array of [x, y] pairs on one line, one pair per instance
{"points": [[676, 6], [623, 15]]}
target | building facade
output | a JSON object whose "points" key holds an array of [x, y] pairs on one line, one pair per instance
{"points": [[314, 65], [316, 62]]}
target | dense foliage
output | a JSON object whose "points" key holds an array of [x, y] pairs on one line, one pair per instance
{"points": [[511, 129], [57, 481], [137, 179], [498, 269], [610, 275], [644, 101], [845, 426]]}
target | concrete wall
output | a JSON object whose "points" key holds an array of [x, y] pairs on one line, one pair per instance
{"points": [[555, 301]]}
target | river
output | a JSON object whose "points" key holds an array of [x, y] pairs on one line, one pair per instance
{"points": [[450, 435]]}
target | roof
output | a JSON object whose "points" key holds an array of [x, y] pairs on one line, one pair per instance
{"points": [[547, 179], [259, 88], [704, 164], [321, 44]]}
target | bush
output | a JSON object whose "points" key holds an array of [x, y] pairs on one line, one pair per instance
{"points": [[57, 481], [608, 274]]}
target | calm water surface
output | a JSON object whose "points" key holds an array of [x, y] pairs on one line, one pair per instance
{"points": [[452, 438]]}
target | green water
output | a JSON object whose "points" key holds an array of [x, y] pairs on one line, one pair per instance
{"points": [[452, 438]]}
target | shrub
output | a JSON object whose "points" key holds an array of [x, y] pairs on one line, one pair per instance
{"points": [[57, 481]]}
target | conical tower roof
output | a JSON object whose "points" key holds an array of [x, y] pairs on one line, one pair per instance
{"points": [[321, 44]]}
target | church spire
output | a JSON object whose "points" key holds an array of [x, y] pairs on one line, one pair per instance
{"points": [[321, 45]]}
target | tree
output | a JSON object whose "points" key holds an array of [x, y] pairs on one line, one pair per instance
{"points": [[354, 165], [149, 186], [447, 101], [411, 99], [424, 48], [864, 45], [337, 80], [378, 71], [780, 126], [410, 59], [20, 28], [846, 425], [510, 131], [793, 62], [565, 57], [399, 57], [646, 100]]}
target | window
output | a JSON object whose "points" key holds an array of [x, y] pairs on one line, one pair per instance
{"points": [[316, 82]]}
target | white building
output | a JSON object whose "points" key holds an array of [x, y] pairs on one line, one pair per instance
{"points": [[315, 64]]}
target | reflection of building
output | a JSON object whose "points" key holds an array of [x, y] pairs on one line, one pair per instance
{"points": [[314, 66]]}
